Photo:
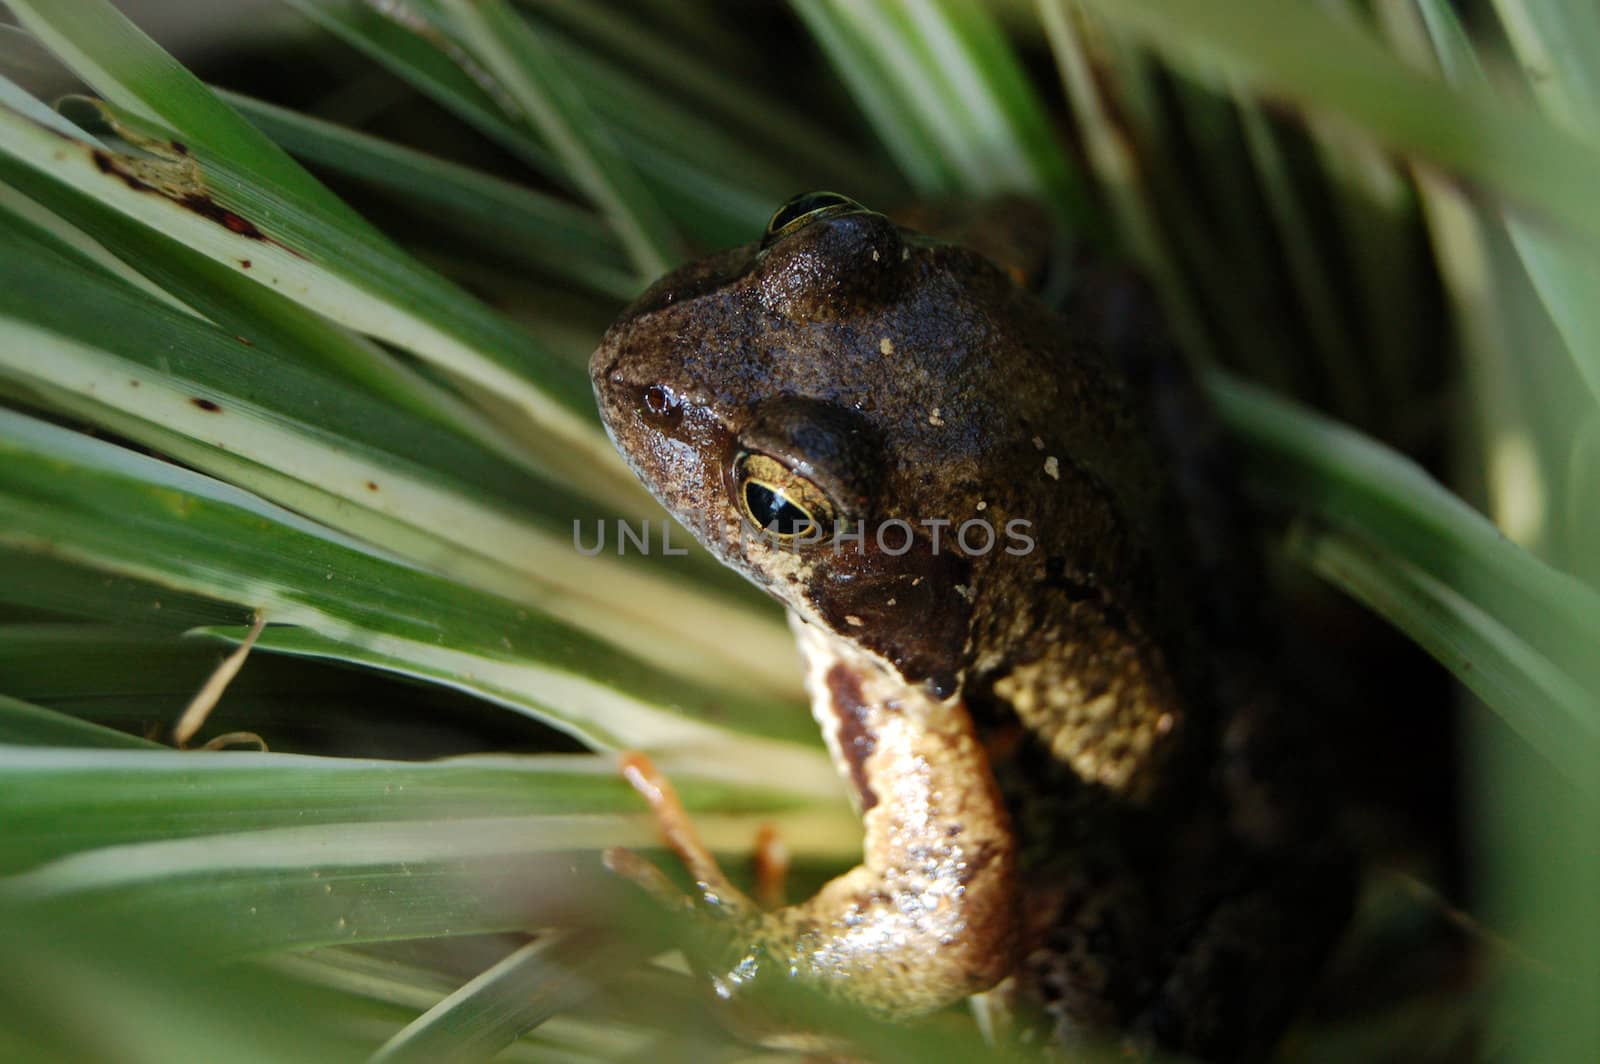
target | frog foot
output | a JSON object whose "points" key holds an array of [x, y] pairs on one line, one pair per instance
{"points": [[736, 966], [717, 894]]}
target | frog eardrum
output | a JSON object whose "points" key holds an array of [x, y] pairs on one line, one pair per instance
{"points": [[779, 501]]}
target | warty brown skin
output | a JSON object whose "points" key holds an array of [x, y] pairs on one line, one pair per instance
{"points": [[1056, 754]]}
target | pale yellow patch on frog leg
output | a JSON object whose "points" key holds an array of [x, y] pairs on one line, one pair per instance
{"points": [[1105, 705]]}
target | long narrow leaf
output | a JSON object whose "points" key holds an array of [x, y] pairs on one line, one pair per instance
{"points": [[154, 1002], [328, 450], [24, 724], [1548, 708], [1298, 52], [197, 284], [549, 975], [58, 802], [349, 272], [122, 64], [710, 78], [944, 90], [715, 206], [1350, 483], [546, 232], [1564, 273], [517, 56], [72, 497]]}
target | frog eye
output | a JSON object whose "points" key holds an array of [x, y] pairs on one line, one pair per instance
{"points": [[779, 501], [805, 209]]}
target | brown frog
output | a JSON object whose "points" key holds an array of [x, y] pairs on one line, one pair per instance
{"points": [[1028, 623]]}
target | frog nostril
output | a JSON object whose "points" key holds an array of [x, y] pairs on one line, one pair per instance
{"points": [[658, 400]]}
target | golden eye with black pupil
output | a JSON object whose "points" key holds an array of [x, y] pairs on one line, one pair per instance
{"points": [[804, 209], [779, 501]]}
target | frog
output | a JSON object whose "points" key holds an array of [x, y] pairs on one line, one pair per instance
{"points": [[1031, 623]]}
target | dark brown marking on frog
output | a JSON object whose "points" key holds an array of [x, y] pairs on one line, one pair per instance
{"points": [[855, 738], [911, 612]]}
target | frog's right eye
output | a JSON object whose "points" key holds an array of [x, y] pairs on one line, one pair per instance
{"points": [[779, 501], [805, 209]]}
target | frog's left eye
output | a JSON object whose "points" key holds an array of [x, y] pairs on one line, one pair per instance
{"points": [[779, 501], [805, 209]]}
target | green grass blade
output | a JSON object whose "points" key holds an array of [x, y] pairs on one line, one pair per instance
{"points": [[1552, 712], [541, 230], [549, 975], [711, 80], [58, 802], [197, 284], [881, 98], [415, 863], [25, 724], [1564, 273], [1122, 95], [192, 390], [153, 1001], [348, 272], [663, 138], [1336, 357], [380, 983], [15, 98], [1582, 516], [1006, 123], [119, 62], [715, 204], [1341, 472], [426, 62], [1434, 550], [1566, 278], [945, 92], [1556, 42], [1118, 162], [1314, 60], [138, 680], [231, 896], [63, 591], [563, 590], [534, 77], [104, 507]]}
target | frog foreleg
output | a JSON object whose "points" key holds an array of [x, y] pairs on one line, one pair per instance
{"points": [[930, 915]]}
